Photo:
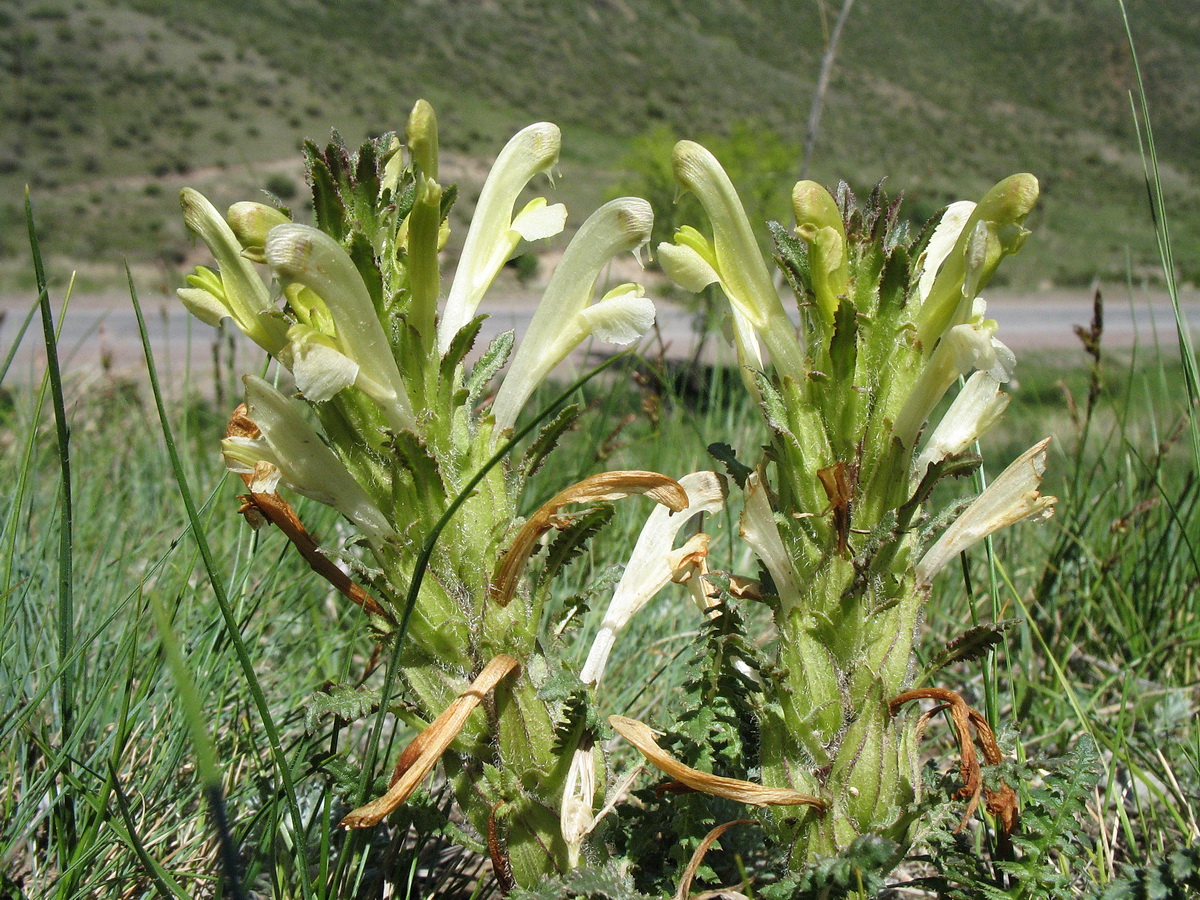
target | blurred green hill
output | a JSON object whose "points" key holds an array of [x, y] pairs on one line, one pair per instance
{"points": [[109, 105]]}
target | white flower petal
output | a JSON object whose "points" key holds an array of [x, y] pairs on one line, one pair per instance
{"points": [[538, 221], [745, 278], [321, 371], [556, 328], [648, 569], [623, 316], [576, 818], [760, 530], [686, 267], [492, 234], [303, 255], [305, 463], [942, 241], [246, 296], [974, 411], [1011, 498]]}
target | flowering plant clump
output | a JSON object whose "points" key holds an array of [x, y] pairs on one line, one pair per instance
{"points": [[386, 425], [836, 510]]}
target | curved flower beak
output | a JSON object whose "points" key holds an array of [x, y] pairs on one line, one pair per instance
{"points": [[302, 255], [733, 255], [295, 454], [421, 756], [237, 292], [994, 229], [564, 319], [494, 231], [1011, 498], [642, 737], [600, 488]]}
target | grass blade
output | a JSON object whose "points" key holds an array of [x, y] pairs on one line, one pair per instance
{"points": [[227, 613], [1162, 234], [66, 600]]}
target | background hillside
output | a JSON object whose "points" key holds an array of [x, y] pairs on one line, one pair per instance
{"points": [[110, 105]]}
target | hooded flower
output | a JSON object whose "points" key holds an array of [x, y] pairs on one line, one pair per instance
{"points": [[302, 255], [974, 411], [649, 568], [1011, 498], [237, 292], [993, 229], [963, 349], [565, 317], [819, 224], [294, 454], [494, 231], [732, 258]]}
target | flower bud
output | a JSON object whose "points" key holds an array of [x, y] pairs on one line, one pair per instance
{"points": [[250, 222], [819, 224]]}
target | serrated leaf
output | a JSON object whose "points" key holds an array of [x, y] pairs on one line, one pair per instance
{"points": [[725, 454], [956, 466], [328, 213], [792, 256], [346, 702], [449, 195], [425, 477], [407, 197], [363, 255], [971, 644], [547, 439], [460, 346], [491, 362], [773, 407], [572, 540]]}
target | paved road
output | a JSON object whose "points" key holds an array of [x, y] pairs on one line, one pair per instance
{"points": [[104, 326]]}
